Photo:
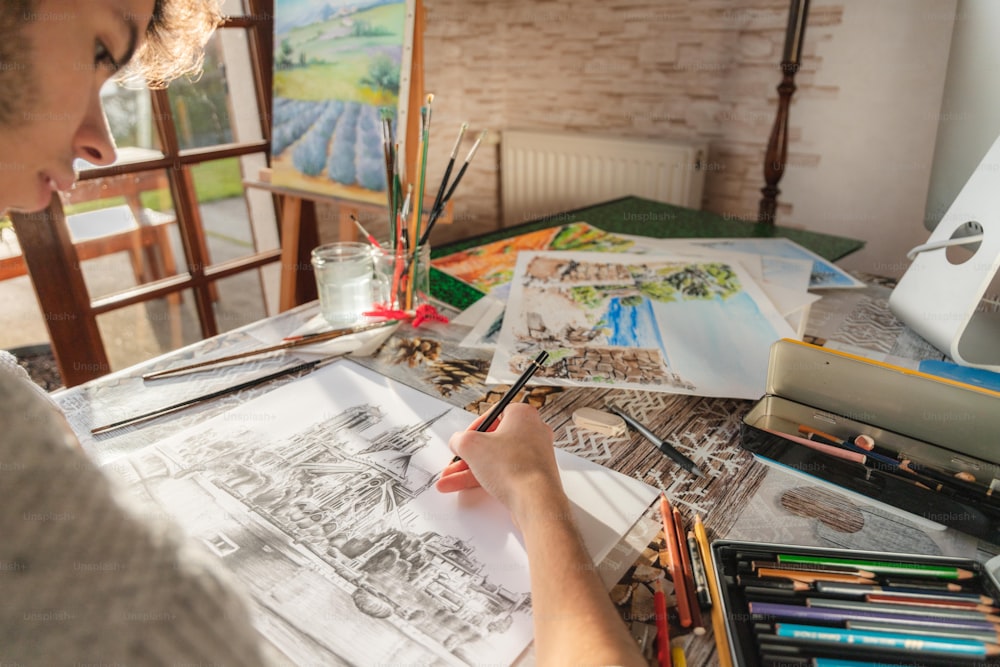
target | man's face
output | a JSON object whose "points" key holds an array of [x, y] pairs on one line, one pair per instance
{"points": [[54, 113]]}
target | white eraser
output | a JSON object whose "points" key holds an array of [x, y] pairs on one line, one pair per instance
{"points": [[599, 421]]}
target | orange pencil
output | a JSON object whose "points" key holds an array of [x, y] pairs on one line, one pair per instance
{"points": [[687, 574], [662, 627], [676, 573], [718, 620]]}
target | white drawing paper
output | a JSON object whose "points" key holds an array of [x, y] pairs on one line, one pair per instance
{"points": [[319, 497], [682, 324]]}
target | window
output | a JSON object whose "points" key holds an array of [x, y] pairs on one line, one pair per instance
{"points": [[206, 258]]}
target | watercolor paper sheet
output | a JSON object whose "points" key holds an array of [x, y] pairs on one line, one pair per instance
{"points": [[824, 274], [319, 497], [490, 267], [688, 325]]}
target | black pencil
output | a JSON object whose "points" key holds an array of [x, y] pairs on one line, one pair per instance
{"points": [[511, 393]]}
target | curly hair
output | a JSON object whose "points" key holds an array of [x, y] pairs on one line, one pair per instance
{"points": [[174, 41]]}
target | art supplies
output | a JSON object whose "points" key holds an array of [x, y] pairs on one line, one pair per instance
{"points": [[659, 443], [505, 400], [599, 421], [288, 344], [170, 409], [912, 441], [319, 495], [675, 568], [718, 618], [822, 621], [409, 232]]}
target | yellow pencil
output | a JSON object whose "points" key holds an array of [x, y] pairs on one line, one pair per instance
{"points": [[718, 621], [680, 660]]}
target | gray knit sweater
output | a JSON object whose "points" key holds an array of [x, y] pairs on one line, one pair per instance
{"points": [[83, 581]]}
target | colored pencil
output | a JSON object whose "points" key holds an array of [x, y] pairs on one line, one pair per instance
{"points": [[861, 591], [826, 438], [811, 567], [903, 609], [677, 653], [883, 567], [662, 627], [769, 610], [776, 584], [811, 577], [698, 572], [687, 574], [676, 573], [887, 640], [925, 631], [718, 621], [937, 603], [831, 450]]}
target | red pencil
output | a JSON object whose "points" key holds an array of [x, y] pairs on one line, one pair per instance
{"points": [[676, 575], [687, 574], [662, 629]]}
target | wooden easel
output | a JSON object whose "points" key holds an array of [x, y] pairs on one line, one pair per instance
{"points": [[297, 209]]}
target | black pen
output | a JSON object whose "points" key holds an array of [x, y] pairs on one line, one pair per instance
{"points": [[511, 393], [664, 447]]}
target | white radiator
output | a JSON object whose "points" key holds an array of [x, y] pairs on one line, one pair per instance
{"points": [[548, 172]]}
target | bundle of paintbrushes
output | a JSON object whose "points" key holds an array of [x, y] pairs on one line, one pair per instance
{"points": [[409, 224]]}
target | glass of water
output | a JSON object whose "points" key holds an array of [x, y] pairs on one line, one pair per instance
{"points": [[344, 279]]}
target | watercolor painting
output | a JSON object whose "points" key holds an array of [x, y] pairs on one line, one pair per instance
{"points": [[338, 67], [490, 267], [824, 274], [673, 324]]}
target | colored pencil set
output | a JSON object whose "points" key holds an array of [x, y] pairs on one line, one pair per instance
{"points": [[801, 606], [408, 229]]}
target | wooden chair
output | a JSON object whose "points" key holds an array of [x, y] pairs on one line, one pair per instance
{"points": [[52, 245], [105, 232]]}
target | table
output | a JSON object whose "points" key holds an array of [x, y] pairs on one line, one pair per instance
{"points": [[740, 498]]}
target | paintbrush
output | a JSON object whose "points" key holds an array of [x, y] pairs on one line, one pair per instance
{"points": [[307, 366], [435, 214], [447, 170], [309, 339]]}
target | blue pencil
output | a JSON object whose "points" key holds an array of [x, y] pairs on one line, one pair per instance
{"points": [[886, 640]]}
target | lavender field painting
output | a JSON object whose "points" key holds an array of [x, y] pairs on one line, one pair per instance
{"points": [[338, 67]]}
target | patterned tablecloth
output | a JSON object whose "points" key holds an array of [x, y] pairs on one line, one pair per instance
{"points": [[739, 497]]}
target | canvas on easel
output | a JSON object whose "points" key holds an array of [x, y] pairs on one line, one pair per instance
{"points": [[338, 67]]}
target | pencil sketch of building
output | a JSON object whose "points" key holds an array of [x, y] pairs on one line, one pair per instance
{"points": [[334, 498]]}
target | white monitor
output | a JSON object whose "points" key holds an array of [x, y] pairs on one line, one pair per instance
{"points": [[969, 121]]}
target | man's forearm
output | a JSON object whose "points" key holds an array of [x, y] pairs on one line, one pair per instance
{"points": [[575, 622]]}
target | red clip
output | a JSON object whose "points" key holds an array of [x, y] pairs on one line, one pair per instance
{"points": [[424, 313], [427, 313]]}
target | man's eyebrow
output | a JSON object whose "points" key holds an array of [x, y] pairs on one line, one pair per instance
{"points": [[133, 40]]}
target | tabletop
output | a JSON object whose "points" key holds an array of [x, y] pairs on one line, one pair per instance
{"points": [[739, 497]]}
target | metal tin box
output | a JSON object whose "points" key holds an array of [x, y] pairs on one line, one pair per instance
{"points": [[938, 425]]}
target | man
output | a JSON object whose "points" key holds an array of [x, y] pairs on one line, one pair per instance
{"points": [[82, 579]]}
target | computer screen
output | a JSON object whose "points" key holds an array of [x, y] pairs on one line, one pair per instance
{"points": [[969, 120]]}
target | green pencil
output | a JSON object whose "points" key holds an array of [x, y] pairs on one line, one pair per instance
{"points": [[883, 567]]}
